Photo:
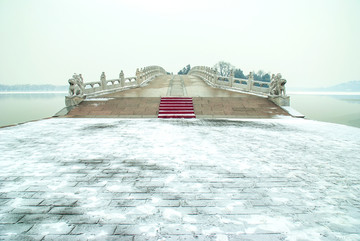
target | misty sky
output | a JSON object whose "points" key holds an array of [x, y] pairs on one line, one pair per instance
{"points": [[311, 42]]}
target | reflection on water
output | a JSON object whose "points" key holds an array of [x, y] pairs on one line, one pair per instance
{"points": [[342, 109], [22, 107]]}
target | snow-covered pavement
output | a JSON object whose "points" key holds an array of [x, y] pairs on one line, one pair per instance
{"points": [[152, 179]]}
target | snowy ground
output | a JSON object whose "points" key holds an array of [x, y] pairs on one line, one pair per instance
{"points": [[117, 179]]}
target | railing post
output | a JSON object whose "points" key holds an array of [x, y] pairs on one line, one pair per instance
{"points": [[122, 79], [250, 81], [103, 80], [215, 76], [138, 77], [231, 78], [81, 84]]}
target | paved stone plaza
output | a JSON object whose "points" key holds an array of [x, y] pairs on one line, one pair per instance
{"points": [[152, 179]]}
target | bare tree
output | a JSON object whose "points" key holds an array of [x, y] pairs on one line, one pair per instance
{"points": [[224, 68]]}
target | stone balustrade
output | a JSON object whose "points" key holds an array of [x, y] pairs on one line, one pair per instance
{"points": [[146, 74], [78, 90], [104, 85], [274, 90]]}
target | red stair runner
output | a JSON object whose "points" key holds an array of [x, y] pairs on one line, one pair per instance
{"points": [[176, 107]]}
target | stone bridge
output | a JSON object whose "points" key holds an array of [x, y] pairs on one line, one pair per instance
{"points": [[153, 93]]}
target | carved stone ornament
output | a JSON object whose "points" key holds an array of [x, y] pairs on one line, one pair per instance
{"points": [[277, 85], [76, 85]]}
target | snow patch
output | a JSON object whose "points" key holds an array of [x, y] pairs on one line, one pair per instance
{"points": [[99, 235], [171, 214], [98, 99], [222, 237], [55, 228], [189, 219], [213, 230], [170, 178], [147, 209], [155, 200], [149, 230], [191, 228], [108, 215], [119, 188]]}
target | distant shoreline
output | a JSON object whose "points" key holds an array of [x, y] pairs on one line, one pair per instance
{"points": [[32, 92], [322, 93]]}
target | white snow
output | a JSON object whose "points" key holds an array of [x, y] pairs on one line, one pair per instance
{"points": [[296, 177], [98, 99], [292, 112], [171, 214], [147, 209]]}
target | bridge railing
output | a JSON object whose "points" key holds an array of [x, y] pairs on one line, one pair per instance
{"points": [[104, 85], [80, 90], [211, 77], [274, 90]]}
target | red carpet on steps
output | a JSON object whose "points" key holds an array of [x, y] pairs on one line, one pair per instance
{"points": [[176, 107]]}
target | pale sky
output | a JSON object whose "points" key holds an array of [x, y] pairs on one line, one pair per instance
{"points": [[311, 43]]}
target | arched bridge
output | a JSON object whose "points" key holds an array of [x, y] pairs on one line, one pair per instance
{"points": [[153, 93]]}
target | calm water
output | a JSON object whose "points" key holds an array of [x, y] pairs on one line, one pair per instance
{"points": [[342, 109], [19, 108]]}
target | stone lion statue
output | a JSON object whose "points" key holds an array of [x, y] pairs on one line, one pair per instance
{"points": [[277, 85], [76, 85], [282, 83]]}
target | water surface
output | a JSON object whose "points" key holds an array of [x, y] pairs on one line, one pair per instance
{"points": [[342, 109], [22, 107]]}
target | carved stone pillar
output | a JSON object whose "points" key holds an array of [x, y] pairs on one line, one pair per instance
{"points": [[122, 79], [250, 81], [103, 80], [81, 84], [215, 76], [231, 78], [138, 76]]}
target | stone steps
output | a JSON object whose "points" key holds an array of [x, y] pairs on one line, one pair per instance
{"points": [[176, 107]]}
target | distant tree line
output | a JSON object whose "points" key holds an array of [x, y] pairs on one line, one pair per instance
{"points": [[262, 76], [185, 70], [225, 68]]}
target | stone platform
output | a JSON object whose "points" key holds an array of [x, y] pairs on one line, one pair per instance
{"points": [[208, 102]]}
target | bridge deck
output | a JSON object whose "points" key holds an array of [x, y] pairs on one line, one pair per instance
{"points": [[208, 102]]}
